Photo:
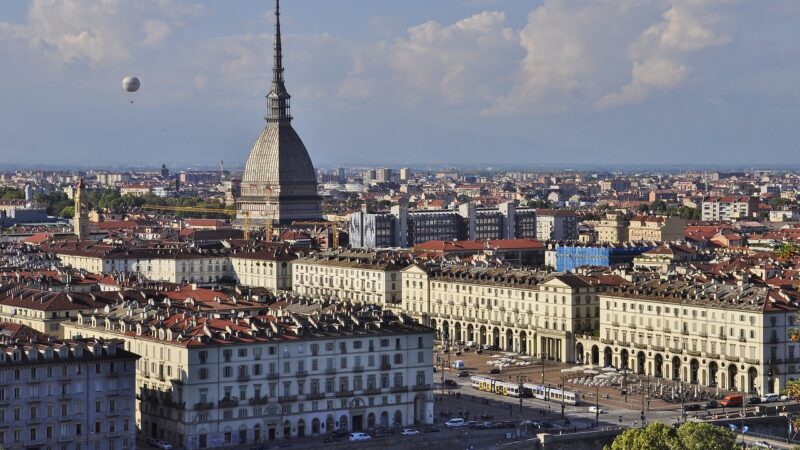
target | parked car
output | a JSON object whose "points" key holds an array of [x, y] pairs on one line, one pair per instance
{"points": [[761, 444], [342, 433], [472, 424], [357, 436], [450, 383], [494, 371], [455, 423], [432, 429], [331, 439], [409, 432], [435, 369], [595, 409], [712, 404], [754, 400], [692, 407], [769, 398], [463, 374], [486, 425]]}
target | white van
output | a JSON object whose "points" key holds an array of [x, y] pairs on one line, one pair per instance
{"points": [[470, 344], [455, 423], [458, 364]]}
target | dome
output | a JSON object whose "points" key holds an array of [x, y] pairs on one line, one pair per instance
{"points": [[280, 161]]}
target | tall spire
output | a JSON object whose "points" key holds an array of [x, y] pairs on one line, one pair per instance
{"points": [[278, 98]]}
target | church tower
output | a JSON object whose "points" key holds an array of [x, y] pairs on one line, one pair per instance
{"points": [[80, 220], [279, 184]]}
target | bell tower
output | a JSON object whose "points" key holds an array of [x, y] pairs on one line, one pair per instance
{"points": [[80, 221]]}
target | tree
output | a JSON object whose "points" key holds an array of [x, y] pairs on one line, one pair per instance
{"points": [[655, 436], [704, 436], [643, 208], [690, 436], [659, 207]]}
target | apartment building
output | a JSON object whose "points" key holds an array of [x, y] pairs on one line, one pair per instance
{"points": [[556, 225], [270, 268], [73, 394], [613, 229], [732, 336], [656, 229], [206, 382], [530, 312], [727, 207], [357, 276]]}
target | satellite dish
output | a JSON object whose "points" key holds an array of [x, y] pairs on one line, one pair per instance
{"points": [[131, 84]]}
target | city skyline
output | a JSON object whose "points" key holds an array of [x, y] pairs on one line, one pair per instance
{"points": [[675, 83]]}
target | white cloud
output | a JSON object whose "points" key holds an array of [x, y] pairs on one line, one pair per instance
{"points": [[453, 64], [658, 58], [96, 32]]}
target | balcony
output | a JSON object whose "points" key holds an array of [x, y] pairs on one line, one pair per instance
{"points": [[315, 396], [675, 350], [685, 332], [731, 358], [722, 337], [657, 348], [301, 373], [386, 366], [258, 401], [712, 355], [649, 328], [666, 330], [615, 324], [273, 376], [228, 403], [372, 391], [421, 387], [703, 334], [632, 326], [342, 394], [287, 399], [640, 346], [201, 406], [742, 339], [755, 362], [607, 341], [398, 389], [242, 378], [358, 369], [624, 343], [330, 371], [693, 353]]}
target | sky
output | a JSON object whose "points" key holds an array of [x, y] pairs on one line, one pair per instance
{"points": [[518, 83]]}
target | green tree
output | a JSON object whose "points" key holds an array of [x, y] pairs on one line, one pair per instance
{"points": [[690, 436], [67, 212], [704, 436], [10, 193], [655, 436], [659, 207]]}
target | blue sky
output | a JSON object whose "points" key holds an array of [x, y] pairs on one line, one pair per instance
{"points": [[385, 82]]}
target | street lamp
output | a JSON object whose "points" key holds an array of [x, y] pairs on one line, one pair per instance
{"points": [[597, 406], [625, 382], [563, 391], [543, 386], [520, 380]]}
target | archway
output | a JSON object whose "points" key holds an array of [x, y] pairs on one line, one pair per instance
{"points": [[287, 428], [752, 376], [523, 343], [329, 424], [482, 335], [398, 418], [659, 366], [457, 334], [676, 368], [496, 337], [732, 371], [640, 360], [607, 354], [470, 333], [579, 353], [370, 421], [595, 355], [343, 423], [257, 432], [301, 428], [509, 340], [315, 426], [713, 368], [623, 364], [384, 419], [420, 409], [445, 331], [694, 369]]}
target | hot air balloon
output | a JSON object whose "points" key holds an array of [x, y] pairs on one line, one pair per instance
{"points": [[131, 84]]}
